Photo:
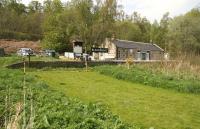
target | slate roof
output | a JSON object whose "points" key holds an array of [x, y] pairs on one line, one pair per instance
{"points": [[77, 40], [137, 45]]}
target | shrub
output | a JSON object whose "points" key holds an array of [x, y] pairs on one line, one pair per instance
{"points": [[153, 77]]}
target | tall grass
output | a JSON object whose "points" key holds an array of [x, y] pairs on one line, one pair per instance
{"points": [[178, 76], [193, 59]]}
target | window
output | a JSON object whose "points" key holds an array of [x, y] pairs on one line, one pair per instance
{"points": [[148, 55], [138, 55], [118, 54]]}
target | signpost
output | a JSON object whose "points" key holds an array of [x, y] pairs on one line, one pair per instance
{"points": [[29, 57], [77, 48], [86, 64], [100, 50]]}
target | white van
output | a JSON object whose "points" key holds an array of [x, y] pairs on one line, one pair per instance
{"points": [[25, 51]]}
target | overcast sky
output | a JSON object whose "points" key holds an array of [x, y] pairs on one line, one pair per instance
{"points": [[154, 9]]}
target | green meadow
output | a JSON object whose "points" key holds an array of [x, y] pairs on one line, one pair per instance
{"points": [[135, 103]]}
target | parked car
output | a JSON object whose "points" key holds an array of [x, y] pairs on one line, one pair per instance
{"points": [[48, 52], [25, 52], [86, 57]]}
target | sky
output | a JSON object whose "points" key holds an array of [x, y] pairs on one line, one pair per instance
{"points": [[153, 9]]}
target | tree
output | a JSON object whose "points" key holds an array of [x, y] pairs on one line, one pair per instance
{"points": [[35, 6], [155, 34], [54, 33], [144, 25], [57, 23], [164, 25], [183, 33], [128, 30], [54, 40]]}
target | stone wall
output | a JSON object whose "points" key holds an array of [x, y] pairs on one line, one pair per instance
{"points": [[123, 54], [73, 64], [61, 64], [156, 55]]}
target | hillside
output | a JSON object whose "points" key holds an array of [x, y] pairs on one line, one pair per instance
{"points": [[11, 46]]}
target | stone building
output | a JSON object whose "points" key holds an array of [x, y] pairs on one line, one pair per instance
{"points": [[123, 49]]}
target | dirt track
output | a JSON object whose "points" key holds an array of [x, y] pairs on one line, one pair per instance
{"points": [[11, 46]]}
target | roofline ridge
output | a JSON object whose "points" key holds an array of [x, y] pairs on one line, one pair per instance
{"points": [[134, 41], [158, 47]]}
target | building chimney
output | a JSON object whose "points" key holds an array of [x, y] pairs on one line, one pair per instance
{"points": [[113, 37]]}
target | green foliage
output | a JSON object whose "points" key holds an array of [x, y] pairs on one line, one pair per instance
{"points": [[34, 6], [80, 19], [129, 31], [54, 40], [57, 23], [70, 113], [148, 76], [17, 23], [159, 31], [183, 33]]}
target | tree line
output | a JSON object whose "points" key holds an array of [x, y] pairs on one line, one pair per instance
{"points": [[56, 23]]}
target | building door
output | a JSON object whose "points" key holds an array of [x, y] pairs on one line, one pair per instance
{"points": [[148, 55], [144, 55]]}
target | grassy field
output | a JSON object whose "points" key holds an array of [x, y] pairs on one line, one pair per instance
{"points": [[134, 103], [46, 108], [4, 61]]}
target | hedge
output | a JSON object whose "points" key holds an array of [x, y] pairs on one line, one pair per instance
{"points": [[61, 64]]}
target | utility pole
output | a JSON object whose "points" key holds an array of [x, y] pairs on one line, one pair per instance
{"points": [[86, 63], [24, 94], [29, 58]]}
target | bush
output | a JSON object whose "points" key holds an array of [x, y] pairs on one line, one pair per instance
{"points": [[55, 40], [152, 77]]}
